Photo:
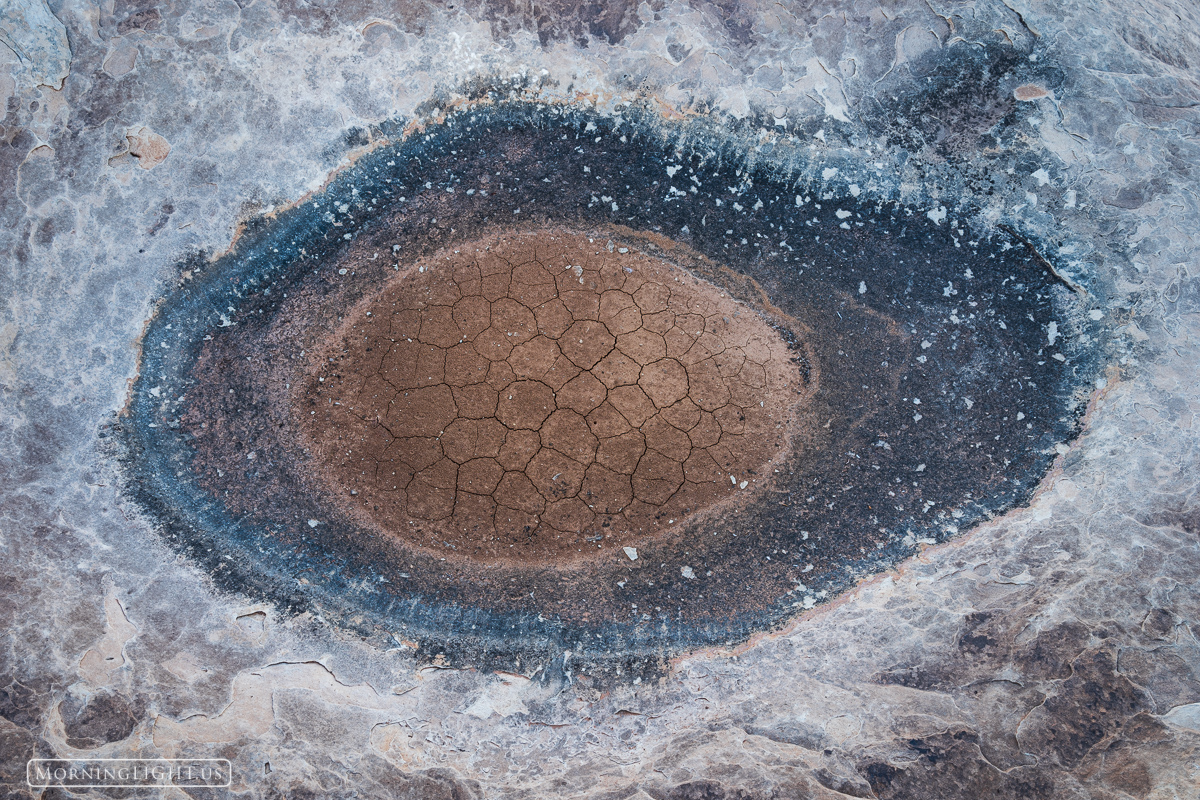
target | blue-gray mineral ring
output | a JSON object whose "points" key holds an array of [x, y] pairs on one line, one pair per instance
{"points": [[934, 367]]}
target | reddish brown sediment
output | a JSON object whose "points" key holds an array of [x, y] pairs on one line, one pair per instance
{"points": [[516, 397]]}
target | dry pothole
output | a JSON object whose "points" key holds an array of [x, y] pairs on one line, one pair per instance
{"points": [[466, 491], [521, 395]]}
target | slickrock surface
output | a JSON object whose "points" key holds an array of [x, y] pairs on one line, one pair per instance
{"points": [[1049, 650]]}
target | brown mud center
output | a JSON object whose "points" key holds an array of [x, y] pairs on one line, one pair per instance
{"points": [[534, 396]]}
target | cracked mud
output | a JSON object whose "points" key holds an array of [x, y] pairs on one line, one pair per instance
{"points": [[535, 394]]}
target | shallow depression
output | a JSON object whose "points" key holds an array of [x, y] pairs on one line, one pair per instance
{"points": [[931, 392], [525, 393]]}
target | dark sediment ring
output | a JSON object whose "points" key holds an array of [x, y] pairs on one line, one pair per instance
{"points": [[949, 368]]}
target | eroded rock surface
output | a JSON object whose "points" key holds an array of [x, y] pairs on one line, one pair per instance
{"points": [[1048, 653]]}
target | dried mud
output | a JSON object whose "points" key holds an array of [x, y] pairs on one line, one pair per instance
{"points": [[533, 396]]}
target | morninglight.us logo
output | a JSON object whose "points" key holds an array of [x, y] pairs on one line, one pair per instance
{"points": [[127, 773]]}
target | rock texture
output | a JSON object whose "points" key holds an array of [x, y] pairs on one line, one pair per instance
{"points": [[1050, 653]]}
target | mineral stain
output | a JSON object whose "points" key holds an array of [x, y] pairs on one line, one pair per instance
{"points": [[912, 376]]}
